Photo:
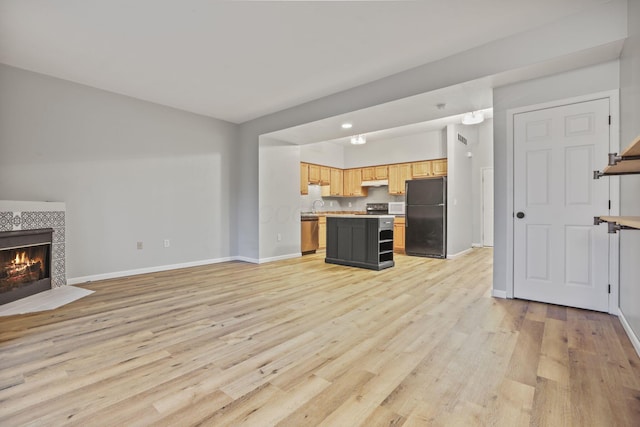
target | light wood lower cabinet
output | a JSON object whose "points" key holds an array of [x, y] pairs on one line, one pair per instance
{"points": [[322, 232], [398, 234]]}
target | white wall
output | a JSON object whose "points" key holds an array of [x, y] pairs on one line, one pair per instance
{"points": [[127, 170], [482, 151], [630, 185], [548, 43], [584, 81], [279, 182], [323, 153], [408, 148], [459, 202]]}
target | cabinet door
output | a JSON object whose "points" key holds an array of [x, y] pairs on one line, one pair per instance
{"points": [[335, 187], [394, 179], [381, 172], [314, 174], [398, 174], [439, 167], [304, 178], [398, 235], [322, 232], [347, 182], [355, 183], [405, 175], [325, 175], [368, 173], [421, 169]]}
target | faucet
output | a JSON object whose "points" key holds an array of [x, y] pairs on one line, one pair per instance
{"points": [[313, 206]]}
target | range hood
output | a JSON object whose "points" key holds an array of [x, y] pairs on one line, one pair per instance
{"points": [[375, 183]]}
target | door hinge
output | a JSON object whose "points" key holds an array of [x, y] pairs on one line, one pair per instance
{"points": [[609, 289], [609, 204], [609, 120]]}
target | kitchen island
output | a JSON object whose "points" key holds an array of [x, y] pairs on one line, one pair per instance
{"points": [[364, 241]]}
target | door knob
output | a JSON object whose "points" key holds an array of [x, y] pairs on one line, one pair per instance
{"points": [[520, 215]]}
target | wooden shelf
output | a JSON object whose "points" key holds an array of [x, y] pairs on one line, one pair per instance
{"points": [[628, 162], [619, 222]]}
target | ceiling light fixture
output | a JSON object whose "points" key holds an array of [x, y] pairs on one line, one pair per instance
{"points": [[346, 126], [473, 118], [358, 140]]}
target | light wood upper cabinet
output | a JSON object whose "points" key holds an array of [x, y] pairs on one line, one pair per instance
{"points": [[398, 175], [304, 178], [353, 183], [371, 173], [368, 173], [325, 175], [382, 172], [348, 182], [314, 174], [335, 186], [439, 167], [421, 169]]}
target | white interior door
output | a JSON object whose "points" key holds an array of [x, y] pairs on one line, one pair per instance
{"points": [[560, 257], [487, 207]]}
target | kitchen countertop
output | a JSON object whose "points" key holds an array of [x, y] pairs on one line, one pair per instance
{"points": [[359, 216]]}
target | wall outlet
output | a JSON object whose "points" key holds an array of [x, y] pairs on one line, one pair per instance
{"points": [[279, 237], [167, 243], [349, 204], [331, 203], [139, 245]]}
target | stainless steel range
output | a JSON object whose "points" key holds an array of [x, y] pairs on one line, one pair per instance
{"points": [[377, 208]]}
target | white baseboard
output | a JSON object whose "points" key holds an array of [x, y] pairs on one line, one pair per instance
{"points": [[459, 254], [627, 328], [117, 274], [279, 258], [477, 245], [497, 293], [245, 259]]}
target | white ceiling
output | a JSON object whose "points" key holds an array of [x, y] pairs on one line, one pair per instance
{"points": [[238, 60]]}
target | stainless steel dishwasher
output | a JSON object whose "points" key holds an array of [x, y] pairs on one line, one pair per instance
{"points": [[308, 234]]}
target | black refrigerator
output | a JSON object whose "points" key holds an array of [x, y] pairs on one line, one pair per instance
{"points": [[426, 217]]}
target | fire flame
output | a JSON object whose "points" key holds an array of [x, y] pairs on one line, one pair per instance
{"points": [[21, 258]]}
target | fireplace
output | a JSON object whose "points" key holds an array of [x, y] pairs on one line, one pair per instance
{"points": [[25, 263]]}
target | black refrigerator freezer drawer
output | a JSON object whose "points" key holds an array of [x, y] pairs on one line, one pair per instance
{"points": [[425, 231]]}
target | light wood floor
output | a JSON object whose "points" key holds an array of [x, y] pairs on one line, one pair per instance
{"points": [[304, 343]]}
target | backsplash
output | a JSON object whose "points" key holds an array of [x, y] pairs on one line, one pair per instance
{"points": [[332, 204]]}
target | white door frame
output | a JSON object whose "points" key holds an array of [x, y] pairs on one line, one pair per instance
{"points": [[614, 184], [482, 206]]}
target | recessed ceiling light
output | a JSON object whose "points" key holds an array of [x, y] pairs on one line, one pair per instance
{"points": [[346, 126]]}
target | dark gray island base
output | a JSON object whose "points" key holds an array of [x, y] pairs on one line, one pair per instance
{"points": [[364, 241]]}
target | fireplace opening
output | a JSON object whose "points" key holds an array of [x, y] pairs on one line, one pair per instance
{"points": [[25, 263]]}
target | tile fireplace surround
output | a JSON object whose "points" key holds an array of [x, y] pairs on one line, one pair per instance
{"points": [[34, 215]]}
